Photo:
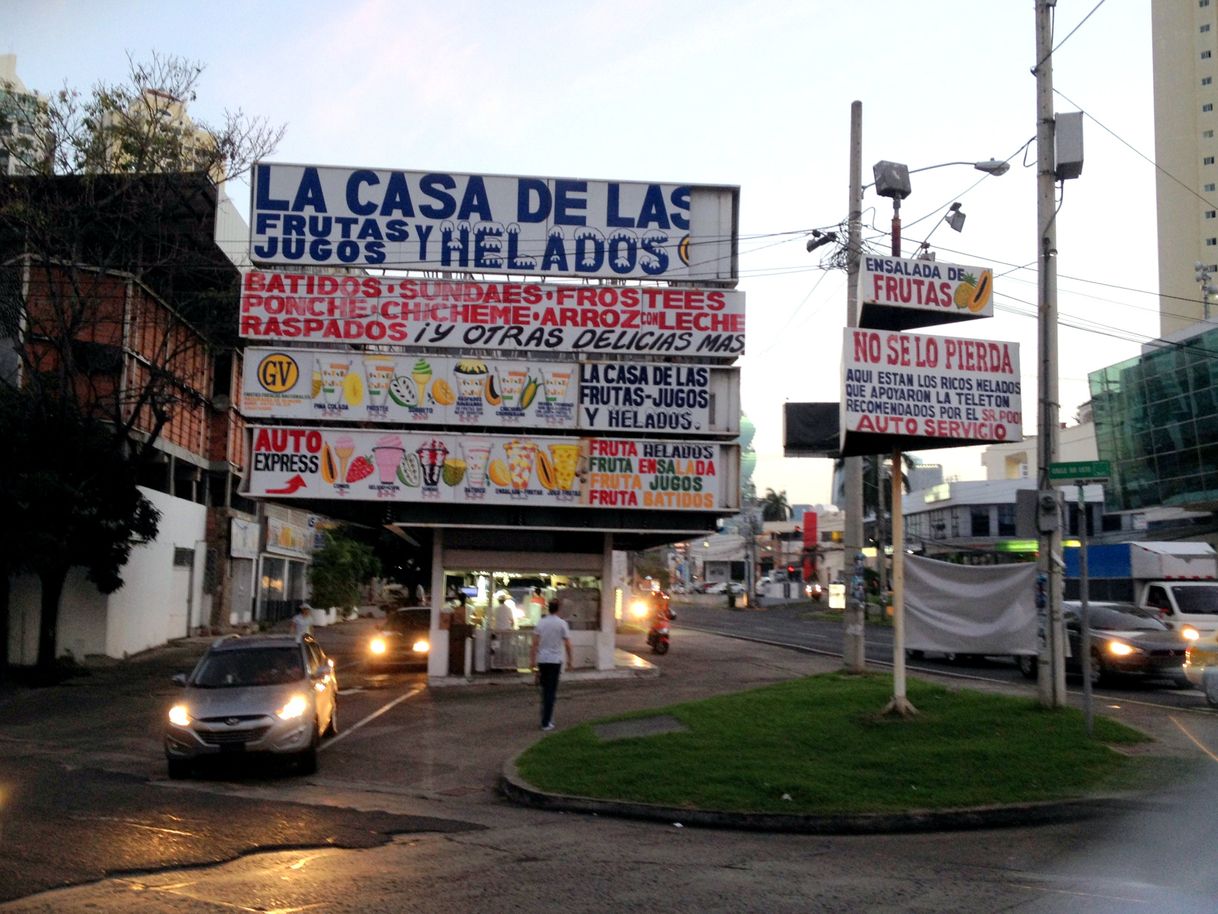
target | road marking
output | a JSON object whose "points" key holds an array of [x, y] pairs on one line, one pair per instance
{"points": [[347, 731], [1196, 741]]}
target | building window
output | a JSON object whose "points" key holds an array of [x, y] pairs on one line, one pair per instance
{"points": [[1208, 160], [1006, 520], [1209, 188], [1210, 214], [1211, 242], [1207, 134], [1207, 107], [1203, 3], [1207, 80], [1205, 28], [1205, 55], [979, 521]]}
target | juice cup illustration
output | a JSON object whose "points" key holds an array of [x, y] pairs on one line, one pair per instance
{"points": [[379, 372], [477, 453], [565, 458], [556, 383], [431, 456], [316, 384], [333, 373], [387, 455], [520, 456], [344, 447], [510, 383], [471, 375]]}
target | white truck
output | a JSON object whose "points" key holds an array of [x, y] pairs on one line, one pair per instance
{"points": [[1177, 580]]}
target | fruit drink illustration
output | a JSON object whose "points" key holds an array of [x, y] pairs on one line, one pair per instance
{"points": [[431, 456], [471, 377], [510, 384], [387, 454], [477, 453], [333, 374], [379, 372], [556, 383], [520, 456], [316, 385], [565, 458]]}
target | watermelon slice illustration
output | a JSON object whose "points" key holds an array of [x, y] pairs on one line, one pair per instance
{"points": [[410, 472]]}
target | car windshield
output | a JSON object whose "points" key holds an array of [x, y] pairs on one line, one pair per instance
{"points": [[1109, 619], [409, 620], [252, 667], [1201, 600]]}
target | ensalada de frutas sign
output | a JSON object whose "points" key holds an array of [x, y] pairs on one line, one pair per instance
{"points": [[900, 294], [524, 470], [425, 389], [412, 220], [917, 391], [513, 316]]}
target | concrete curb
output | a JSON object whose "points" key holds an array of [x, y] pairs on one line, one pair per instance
{"points": [[516, 789]]}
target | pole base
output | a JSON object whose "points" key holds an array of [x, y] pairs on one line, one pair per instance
{"points": [[899, 706]]}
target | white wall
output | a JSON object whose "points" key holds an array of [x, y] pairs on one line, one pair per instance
{"points": [[137, 616]]}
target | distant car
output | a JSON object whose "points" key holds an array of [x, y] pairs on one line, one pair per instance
{"points": [[1201, 666], [722, 587], [762, 583], [258, 694], [403, 638], [1125, 640]]}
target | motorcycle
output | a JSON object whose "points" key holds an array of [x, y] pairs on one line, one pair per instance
{"points": [[657, 635]]}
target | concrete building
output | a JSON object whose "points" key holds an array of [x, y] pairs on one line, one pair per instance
{"points": [[1185, 36], [22, 121]]}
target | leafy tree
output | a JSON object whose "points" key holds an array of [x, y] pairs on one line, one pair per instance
{"points": [[774, 506], [340, 568], [115, 209]]}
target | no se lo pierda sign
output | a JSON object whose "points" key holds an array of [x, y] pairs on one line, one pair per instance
{"points": [[911, 390]]}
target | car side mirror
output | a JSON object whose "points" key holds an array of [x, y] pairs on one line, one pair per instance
{"points": [[179, 679]]}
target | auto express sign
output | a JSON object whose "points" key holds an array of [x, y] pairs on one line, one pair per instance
{"points": [[311, 215], [913, 390]]}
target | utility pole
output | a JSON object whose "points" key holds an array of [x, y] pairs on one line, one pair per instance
{"points": [[853, 657], [1052, 675]]}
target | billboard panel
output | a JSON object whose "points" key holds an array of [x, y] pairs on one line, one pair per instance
{"points": [[513, 316], [911, 390], [454, 468], [902, 294], [426, 389], [313, 215]]}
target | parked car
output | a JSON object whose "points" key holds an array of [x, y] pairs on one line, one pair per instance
{"points": [[762, 583], [1125, 640], [403, 638], [722, 587], [265, 694], [1201, 666]]}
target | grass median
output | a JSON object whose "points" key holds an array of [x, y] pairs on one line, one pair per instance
{"points": [[821, 746]]}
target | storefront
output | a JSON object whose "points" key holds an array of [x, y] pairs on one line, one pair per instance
{"points": [[485, 603]]}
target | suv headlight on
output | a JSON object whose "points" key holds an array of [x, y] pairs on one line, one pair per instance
{"points": [[421, 646], [179, 716], [295, 707], [1121, 649], [377, 646]]}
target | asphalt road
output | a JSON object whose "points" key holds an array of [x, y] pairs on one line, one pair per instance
{"points": [[403, 814]]}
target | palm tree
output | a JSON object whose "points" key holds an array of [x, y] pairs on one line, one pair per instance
{"points": [[775, 506]]}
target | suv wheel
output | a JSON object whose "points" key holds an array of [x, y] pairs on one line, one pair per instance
{"points": [[1027, 665]]}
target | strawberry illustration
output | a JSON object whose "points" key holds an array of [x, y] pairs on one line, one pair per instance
{"points": [[361, 468]]}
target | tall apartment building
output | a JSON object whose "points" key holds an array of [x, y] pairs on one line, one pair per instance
{"points": [[22, 119], [1185, 36]]}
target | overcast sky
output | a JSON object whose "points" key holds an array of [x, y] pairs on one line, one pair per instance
{"points": [[756, 94]]}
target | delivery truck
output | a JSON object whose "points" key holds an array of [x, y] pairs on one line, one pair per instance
{"points": [[1176, 580]]}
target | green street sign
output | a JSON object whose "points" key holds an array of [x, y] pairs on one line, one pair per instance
{"points": [[1080, 471]]}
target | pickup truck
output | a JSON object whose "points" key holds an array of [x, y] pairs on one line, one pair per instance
{"points": [[1176, 580]]}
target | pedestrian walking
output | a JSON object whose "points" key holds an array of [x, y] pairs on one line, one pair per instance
{"points": [[551, 643], [302, 622]]}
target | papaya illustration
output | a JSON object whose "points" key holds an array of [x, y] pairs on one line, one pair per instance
{"points": [[981, 295], [545, 471], [493, 396], [329, 469]]}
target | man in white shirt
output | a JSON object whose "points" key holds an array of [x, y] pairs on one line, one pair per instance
{"points": [[503, 619], [302, 622], [551, 640]]}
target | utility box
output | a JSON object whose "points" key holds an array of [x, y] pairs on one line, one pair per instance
{"points": [[1068, 145]]}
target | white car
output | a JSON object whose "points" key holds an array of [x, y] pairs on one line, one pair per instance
{"points": [[722, 587]]}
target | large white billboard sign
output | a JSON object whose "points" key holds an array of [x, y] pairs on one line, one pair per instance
{"points": [[426, 389], [513, 316], [411, 220], [525, 470], [930, 391]]}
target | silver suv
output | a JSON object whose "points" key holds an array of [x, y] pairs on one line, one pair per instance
{"points": [[255, 694]]}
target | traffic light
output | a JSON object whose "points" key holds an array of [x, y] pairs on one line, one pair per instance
{"points": [[790, 570]]}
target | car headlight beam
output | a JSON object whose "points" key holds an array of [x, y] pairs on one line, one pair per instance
{"points": [[1190, 633], [295, 707], [179, 716], [1121, 649], [421, 646], [377, 646]]}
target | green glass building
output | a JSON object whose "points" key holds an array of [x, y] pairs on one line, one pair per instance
{"points": [[1156, 422]]}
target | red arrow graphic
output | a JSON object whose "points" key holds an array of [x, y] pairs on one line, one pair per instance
{"points": [[294, 484]]}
